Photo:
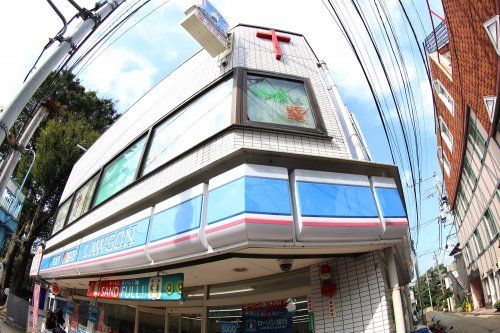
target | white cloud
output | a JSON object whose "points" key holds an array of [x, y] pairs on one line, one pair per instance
{"points": [[121, 74]]}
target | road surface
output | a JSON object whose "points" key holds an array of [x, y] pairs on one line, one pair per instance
{"points": [[467, 323]]}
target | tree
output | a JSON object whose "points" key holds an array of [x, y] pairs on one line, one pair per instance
{"points": [[82, 118], [436, 284]]}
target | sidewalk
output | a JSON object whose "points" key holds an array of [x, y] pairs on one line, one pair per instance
{"points": [[5, 328], [463, 322]]}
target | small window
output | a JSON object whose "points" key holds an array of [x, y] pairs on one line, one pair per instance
{"points": [[492, 29], [446, 134], [446, 165], [280, 102], [475, 137], [62, 213], [440, 154], [478, 241], [490, 224], [489, 102], [83, 198], [469, 252], [120, 173], [444, 96], [469, 174]]}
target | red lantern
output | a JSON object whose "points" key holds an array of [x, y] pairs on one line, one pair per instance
{"points": [[325, 272], [328, 288], [54, 289]]}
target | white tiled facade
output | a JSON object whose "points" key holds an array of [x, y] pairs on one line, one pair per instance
{"points": [[361, 302], [190, 78]]}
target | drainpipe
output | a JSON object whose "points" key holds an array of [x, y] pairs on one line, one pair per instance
{"points": [[354, 141], [397, 303]]}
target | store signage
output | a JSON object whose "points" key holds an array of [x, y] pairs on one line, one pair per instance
{"points": [[266, 317], [36, 300], [215, 18], [164, 288], [229, 327], [93, 314], [37, 260]]}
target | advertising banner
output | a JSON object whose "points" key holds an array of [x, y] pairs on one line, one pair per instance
{"points": [[267, 317], [164, 288], [73, 328], [215, 18], [36, 300], [93, 314], [229, 327]]}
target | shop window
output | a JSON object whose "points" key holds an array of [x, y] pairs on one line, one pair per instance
{"points": [[446, 134], [492, 27], [475, 137], [478, 241], [153, 321], [199, 120], [489, 102], [120, 172], [490, 224], [83, 198], [116, 318], [280, 103], [444, 96], [62, 213]]}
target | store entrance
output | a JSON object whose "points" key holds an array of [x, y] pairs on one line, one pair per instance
{"points": [[184, 320]]}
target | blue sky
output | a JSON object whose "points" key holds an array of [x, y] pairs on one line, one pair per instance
{"points": [[158, 44]]}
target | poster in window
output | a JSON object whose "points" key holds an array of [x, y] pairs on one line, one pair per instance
{"points": [[278, 101]]}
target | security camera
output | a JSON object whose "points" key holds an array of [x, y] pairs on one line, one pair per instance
{"points": [[285, 264]]}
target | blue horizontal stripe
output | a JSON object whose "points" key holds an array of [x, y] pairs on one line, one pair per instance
{"points": [[247, 212]]}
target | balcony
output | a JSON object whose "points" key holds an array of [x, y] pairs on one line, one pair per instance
{"points": [[10, 208], [433, 43]]}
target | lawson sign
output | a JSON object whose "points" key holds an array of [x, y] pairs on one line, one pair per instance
{"points": [[250, 203]]}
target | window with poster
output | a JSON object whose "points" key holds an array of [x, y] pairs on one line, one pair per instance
{"points": [[279, 102]]}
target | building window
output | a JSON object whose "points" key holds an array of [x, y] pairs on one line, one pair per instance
{"points": [[478, 241], [489, 102], [458, 217], [188, 127], [475, 137], [492, 29], [280, 102], [120, 172], [490, 224], [469, 252], [469, 174], [446, 165], [62, 213], [446, 134], [83, 198], [444, 96]]}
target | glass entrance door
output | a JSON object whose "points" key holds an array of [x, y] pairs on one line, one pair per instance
{"points": [[185, 322]]}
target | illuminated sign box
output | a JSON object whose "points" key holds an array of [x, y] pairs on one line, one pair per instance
{"points": [[208, 27]]}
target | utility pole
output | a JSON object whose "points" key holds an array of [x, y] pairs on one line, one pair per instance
{"points": [[20, 146], [67, 45], [415, 260], [429, 288]]}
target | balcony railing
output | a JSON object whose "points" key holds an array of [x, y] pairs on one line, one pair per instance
{"points": [[441, 38], [6, 204]]}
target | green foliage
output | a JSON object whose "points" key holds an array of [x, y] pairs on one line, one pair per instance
{"points": [[438, 292], [82, 118], [497, 306]]}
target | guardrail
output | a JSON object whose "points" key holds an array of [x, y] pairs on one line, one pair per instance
{"points": [[435, 42]]}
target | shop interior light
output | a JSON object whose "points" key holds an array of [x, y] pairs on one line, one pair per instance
{"points": [[225, 292], [225, 310], [234, 291]]}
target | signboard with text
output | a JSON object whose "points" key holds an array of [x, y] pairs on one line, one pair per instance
{"points": [[164, 288], [267, 317]]}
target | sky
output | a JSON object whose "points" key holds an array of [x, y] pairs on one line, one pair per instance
{"points": [[155, 46]]}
